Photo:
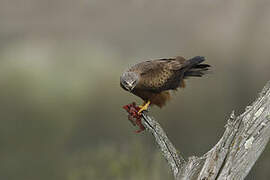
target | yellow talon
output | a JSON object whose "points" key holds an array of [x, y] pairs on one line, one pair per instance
{"points": [[144, 107]]}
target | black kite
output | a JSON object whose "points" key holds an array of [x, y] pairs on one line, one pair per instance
{"points": [[152, 80]]}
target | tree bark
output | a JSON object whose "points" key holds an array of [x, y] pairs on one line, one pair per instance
{"points": [[232, 158]]}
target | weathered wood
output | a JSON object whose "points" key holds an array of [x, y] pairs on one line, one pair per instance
{"points": [[242, 143]]}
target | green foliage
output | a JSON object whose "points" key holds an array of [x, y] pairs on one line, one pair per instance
{"points": [[110, 162]]}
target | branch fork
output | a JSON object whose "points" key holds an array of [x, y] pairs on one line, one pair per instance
{"points": [[242, 143]]}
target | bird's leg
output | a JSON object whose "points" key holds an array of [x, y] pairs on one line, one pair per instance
{"points": [[144, 107]]}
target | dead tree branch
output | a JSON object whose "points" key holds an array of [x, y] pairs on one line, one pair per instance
{"points": [[242, 143]]}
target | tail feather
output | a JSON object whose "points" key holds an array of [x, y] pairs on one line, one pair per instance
{"points": [[195, 69], [195, 60], [194, 74], [200, 66]]}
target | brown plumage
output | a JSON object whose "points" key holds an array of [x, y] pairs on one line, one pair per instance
{"points": [[152, 80]]}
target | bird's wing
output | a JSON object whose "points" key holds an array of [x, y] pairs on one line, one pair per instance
{"points": [[161, 74]]}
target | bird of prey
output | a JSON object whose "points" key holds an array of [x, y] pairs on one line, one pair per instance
{"points": [[154, 79]]}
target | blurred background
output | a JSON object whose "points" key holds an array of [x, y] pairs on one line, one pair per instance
{"points": [[61, 103]]}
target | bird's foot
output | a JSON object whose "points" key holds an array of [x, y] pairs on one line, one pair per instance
{"points": [[134, 116], [144, 107]]}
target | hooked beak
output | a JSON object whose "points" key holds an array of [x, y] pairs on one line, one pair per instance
{"points": [[130, 86]]}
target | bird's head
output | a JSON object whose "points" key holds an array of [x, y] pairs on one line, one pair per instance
{"points": [[129, 80]]}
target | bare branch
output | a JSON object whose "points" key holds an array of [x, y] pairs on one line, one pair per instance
{"points": [[174, 160], [242, 143]]}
